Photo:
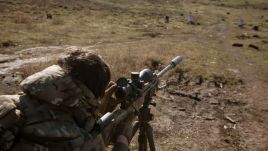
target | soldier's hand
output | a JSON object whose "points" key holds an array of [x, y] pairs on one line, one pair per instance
{"points": [[108, 103]]}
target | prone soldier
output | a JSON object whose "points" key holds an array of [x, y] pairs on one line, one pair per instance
{"points": [[59, 107]]}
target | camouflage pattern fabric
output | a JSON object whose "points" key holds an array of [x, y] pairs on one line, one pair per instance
{"points": [[53, 86], [9, 115], [57, 114]]}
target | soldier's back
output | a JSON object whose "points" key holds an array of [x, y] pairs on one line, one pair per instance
{"points": [[53, 114]]}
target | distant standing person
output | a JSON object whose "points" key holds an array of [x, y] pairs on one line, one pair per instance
{"points": [[166, 19], [190, 20], [241, 23]]}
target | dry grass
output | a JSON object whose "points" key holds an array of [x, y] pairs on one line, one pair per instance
{"points": [[128, 58], [131, 35], [31, 68], [21, 18]]}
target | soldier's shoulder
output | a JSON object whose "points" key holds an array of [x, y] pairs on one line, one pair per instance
{"points": [[51, 85], [41, 79]]}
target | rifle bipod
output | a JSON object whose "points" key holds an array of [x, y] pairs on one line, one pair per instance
{"points": [[145, 129]]}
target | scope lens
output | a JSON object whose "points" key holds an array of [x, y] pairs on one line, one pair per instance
{"points": [[120, 93], [122, 82]]}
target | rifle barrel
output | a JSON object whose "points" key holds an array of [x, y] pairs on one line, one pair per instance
{"points": [[172, 64]]}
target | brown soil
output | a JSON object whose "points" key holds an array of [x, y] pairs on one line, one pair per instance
{"points": [[219, 117], [220, 104]]}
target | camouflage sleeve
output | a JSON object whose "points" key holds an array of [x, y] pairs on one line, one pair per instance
{"points": [[7, 137], [120, 147], [119, 134], [9, 116]]}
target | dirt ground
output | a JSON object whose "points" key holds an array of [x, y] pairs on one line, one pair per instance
{"points": [[202, 115], [215, 100]]}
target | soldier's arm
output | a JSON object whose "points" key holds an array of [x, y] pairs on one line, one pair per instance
{"points": [[108, 104], [123, 134], [121, 143]]}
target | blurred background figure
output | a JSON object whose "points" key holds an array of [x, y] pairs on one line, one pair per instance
{"points": [[166, 19], [190, 20], [241, 23]]}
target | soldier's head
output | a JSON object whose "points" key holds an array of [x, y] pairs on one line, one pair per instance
{"points": [[88, 68]]}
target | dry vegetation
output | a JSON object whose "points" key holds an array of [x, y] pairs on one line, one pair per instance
{"points": [[132, 35], [133, 29]]}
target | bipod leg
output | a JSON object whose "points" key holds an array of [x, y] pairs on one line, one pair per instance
{"points": [[142, 139], [149, 134], [144, 117]]}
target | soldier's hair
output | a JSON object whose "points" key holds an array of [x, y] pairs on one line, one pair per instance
{"points": [[88, 68]]}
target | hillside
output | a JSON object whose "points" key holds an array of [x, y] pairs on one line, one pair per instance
{"points": [[215, 100]]}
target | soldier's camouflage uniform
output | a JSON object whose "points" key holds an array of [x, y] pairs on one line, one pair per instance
{"points": [[55, 113]]}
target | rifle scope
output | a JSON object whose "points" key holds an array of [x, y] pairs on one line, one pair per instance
{"points": [[128, 87]]}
